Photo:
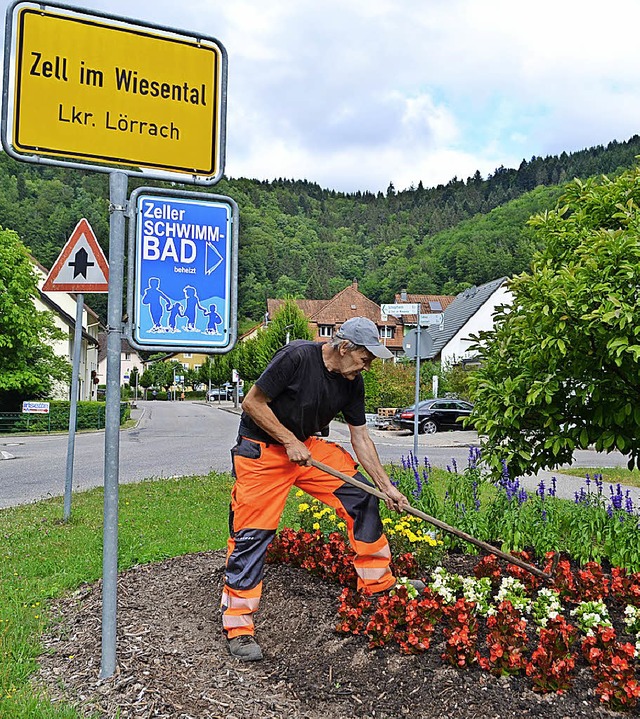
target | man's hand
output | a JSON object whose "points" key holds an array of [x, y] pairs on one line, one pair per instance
{"points": [[395, 501], [297, 452]]}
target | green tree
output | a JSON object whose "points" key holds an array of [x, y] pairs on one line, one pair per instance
{"points": [[163, 372], [252, 356], [146, 380], [560, 367], [28, 365], [215, 371]]}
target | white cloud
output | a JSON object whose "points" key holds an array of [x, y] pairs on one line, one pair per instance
{"points": [[354, 93]]}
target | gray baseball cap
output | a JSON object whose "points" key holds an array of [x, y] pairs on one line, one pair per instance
{"points": [[362, 331]]}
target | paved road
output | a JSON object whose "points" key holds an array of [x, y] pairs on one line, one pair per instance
{"points": [[171, 438], [186, 438]]}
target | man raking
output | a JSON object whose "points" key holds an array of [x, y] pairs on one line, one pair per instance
{"points": [[303, 388]]}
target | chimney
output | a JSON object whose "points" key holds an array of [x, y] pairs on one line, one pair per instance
{"points": [[354, 284], [403, 295]]}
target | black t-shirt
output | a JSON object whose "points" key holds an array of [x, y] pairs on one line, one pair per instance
{"points": [[304, 395]]}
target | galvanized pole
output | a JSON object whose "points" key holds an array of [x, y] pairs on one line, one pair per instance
{"points": [[417, 397], [73, 405], [117, 208]]}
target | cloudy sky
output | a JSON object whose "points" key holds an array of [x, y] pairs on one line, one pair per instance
{"points": [[354, 94]]}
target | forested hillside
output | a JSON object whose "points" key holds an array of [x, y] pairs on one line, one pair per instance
{"points": [[299, 239]]}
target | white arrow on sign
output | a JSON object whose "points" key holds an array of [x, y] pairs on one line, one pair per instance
{"points": [[399, 309], [212, 259]]}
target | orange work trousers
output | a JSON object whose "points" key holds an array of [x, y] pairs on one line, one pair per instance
{"points": [[264, 476]]}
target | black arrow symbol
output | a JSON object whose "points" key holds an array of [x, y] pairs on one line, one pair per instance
{"points": [[81, 263]]}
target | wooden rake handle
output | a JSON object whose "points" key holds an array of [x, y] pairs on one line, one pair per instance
{"points": [[436, 522]]}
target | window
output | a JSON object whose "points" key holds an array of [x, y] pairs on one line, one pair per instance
{"points": [[187, 355], [127, 355], [197, 366], [386, 332], [325, 330], [435, 305]]}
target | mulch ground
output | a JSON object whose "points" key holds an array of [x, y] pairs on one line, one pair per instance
{"points": [[173, 662]]}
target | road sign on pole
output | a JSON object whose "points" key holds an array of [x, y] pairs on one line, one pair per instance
{"points": [[398, 310], [185, 264], [435, 318], [92, 88], [81, 266], [417, 344]]}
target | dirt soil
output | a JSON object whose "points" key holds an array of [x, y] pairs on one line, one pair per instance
{"points": [[173, 662]]}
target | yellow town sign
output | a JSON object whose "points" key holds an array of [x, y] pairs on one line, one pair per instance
{"points": [[116, 93]]}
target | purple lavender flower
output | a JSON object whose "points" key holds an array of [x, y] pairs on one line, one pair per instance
{"points": [[544, 515], [628, 502], [597, 478], [522, 495], [541, 489], [455, 465], [405, 463], [474, 457], [418, 489], [476, 498], [425, 476], [554, 484], [616, 499]]}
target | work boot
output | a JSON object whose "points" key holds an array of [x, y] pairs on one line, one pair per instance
{"points": [[418, 585], [414, 587], [245, 648]]}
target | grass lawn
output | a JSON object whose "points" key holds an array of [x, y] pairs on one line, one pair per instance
{"points": [[41, 558], [613, 475]]}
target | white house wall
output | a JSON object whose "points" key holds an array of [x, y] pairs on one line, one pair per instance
{"points": [[458, 347]]}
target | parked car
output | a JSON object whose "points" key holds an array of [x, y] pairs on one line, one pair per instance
{"points": [[226, 392], [434, 415]]}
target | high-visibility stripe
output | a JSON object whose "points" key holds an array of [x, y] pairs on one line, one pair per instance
{"points": [[372, 573], [233, 621], [232, 602]]}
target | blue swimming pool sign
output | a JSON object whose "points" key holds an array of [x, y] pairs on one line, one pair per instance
{"points": [[185, 271]]}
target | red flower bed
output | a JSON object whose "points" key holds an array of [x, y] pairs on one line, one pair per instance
{"points": [[551, 666], [397, 618]]}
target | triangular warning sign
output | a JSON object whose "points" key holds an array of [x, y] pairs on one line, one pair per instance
{"points": [[81, 266]]}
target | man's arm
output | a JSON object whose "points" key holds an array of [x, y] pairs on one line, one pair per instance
{"points": [[256, 405], [367, 456]]}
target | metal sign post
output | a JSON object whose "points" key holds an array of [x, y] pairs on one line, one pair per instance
{"points": [[118, 200], [416, 411], [90, 90], [73, 407], [81, 267], [410, 309]]}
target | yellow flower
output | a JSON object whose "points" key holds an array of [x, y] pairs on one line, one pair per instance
{"points": [[303, 507], [316, 525], [299, 493], [317, 515], [342, 525], [387, 520]]}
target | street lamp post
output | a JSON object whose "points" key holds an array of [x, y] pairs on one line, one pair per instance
{"points": [[288, 327]]}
